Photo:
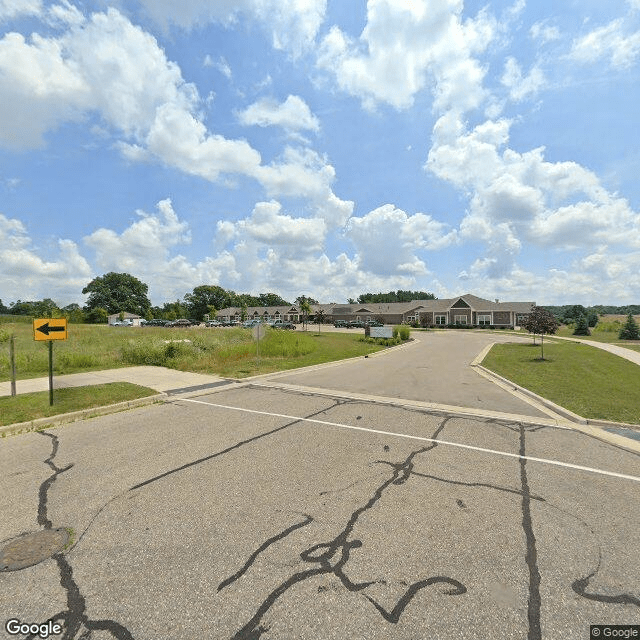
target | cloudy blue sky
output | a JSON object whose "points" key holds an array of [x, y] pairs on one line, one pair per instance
{"points": [[322, 147]]}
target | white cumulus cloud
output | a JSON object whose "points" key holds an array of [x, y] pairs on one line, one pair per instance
{"points": [[293, 25], [26, 275], [387, 240], [404, 44], [609, 42], [521, 87], [292, 115]]}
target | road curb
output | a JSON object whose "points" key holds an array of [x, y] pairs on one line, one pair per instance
{"points": [[326, 365], [460, 412], [83, 414], [588, 426]]}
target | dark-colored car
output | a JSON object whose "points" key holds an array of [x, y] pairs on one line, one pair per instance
{"points": [[156, 322], [340, 323], [183, 322], [356, 324]]}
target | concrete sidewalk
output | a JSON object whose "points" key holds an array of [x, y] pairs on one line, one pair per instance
{"points": [[627, 354], [158, 378]]}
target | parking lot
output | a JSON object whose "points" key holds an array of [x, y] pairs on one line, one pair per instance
{"points": [[259, 512]]}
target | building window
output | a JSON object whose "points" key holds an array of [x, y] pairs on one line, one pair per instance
{"points": [[460, 319], [441, 319], [484, 320]]}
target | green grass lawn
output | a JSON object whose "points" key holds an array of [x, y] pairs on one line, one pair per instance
{"points": [[586, 380], [227, 352], [602, 332], [29, 406]]}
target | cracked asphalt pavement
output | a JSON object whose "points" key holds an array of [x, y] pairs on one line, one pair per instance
{"points": [[256, 512]]}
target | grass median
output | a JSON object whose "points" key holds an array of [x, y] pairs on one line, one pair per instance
{"points": [[586, 380], [30, 406]]}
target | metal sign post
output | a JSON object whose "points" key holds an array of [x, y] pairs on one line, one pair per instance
{"points": [[12, 358], [50, 329], [258, 333], [50, 373]]}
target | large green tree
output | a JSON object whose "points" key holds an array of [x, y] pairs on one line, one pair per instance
{"points": [[271, 300], [205, 296], [395, 296], [118, 292]]}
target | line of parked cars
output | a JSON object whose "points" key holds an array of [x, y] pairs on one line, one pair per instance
{"points": [[183, 322], [357, 324]]}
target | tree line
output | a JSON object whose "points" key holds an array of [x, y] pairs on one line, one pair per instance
{"points": [[570, 313], [117, 292], [121, 292]]}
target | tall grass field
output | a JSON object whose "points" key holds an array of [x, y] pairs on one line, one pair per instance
{"points": [[228, 352]]}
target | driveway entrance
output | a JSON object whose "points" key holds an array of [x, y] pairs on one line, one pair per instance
{"points": [[435, 368]]}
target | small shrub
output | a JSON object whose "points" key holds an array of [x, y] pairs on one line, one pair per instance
{"points": [[404, 332], [156, 353]]}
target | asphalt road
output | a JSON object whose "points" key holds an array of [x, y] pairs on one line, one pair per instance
{"points": [[434, 368], [267, 513]]}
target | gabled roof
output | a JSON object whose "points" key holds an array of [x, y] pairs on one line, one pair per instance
{"points": [[381, 308]]}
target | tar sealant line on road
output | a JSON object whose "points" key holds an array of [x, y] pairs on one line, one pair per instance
{"points": [[556, 463]]}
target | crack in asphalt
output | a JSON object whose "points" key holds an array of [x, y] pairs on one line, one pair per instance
{"points": [[263, 547], [332, 557], [43, 491], [228, 449], [74, 616], [470, 484], [531, 555], [580, 587]]}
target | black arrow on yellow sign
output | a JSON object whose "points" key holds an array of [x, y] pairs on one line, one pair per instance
{"points": [[45, 328]]}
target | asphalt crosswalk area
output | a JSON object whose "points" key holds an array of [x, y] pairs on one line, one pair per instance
{"points": [[256, 512]]}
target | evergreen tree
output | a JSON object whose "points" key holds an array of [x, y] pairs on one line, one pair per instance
{"points": [[630, 331], [582, 327]]}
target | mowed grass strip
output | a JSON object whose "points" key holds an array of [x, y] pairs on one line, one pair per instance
{"points": [[586, 380], [29, 406]]}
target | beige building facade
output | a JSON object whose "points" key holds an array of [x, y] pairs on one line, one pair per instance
{"points": [[466, 310]]}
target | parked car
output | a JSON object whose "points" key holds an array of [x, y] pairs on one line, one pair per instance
{"points": [[374, 323], [213, 323], [281, 324], [156, 322], [183, 322], [356, 324], [341, 323]]}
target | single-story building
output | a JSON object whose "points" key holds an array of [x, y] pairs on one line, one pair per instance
{"points": [[115, 317], [462, 310]]}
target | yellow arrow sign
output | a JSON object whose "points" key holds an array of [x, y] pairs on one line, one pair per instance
{"points": [[50, 329]]}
